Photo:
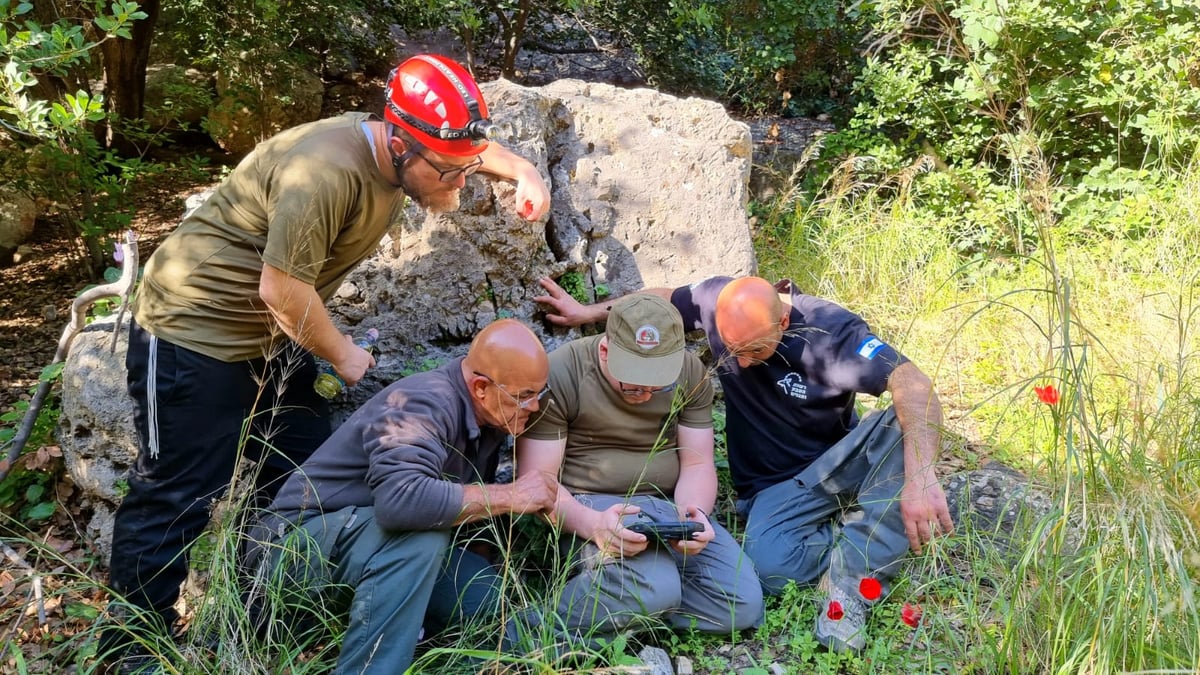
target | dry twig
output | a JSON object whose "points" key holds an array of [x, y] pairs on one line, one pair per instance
{"points": [[16, 559]]}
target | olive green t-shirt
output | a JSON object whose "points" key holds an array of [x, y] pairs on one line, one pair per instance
{"points": [[614, 447], [309, 201]]}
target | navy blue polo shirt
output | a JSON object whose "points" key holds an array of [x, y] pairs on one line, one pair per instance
{"points": [[783, 413]]}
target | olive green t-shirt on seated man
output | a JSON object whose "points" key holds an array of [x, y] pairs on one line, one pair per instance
{"points": [[614, 447], [310, 201]]}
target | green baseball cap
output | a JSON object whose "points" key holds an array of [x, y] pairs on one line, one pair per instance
{"points": [[645, 341]]}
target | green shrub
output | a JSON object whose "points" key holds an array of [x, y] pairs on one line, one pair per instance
{"points": [[55, 152], [245, 34], [28, 489], [1088, 82], [794, 57], [1035, 114]]}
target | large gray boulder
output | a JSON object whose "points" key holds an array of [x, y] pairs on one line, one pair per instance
{"points": [[654, 195], [1000, 516], [647, 189], [998, 502]]}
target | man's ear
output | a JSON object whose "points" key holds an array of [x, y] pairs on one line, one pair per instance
{"points": [[477, 386], [785, 320], [397, 145], [604, 349]]}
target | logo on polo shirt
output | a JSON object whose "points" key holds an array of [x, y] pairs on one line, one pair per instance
{"points": [[647, 337], [793, 385]]}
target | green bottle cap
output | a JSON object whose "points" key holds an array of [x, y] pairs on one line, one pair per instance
{"points": [[328, 385]]}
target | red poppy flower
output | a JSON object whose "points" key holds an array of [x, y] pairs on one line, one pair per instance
{"points": [[911, 614], [834, 612], [1047, 394], [870, 588]]}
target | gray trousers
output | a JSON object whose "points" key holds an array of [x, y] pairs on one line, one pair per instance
{"points": [[792, 529], [716, 591], [390, 583]]}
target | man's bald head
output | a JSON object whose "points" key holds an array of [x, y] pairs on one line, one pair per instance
{"points": [[750, 319], [507, 345], [506, 357]]}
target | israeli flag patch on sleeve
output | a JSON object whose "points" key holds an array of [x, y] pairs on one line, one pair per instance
{"points": [[870, 347]]}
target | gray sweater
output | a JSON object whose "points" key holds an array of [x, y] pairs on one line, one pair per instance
{"points": [[407, 452]]}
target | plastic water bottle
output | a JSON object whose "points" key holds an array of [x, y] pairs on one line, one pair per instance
{"points": [[328, 384]]}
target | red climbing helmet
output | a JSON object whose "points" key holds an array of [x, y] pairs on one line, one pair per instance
{"points": [[438, 102]]}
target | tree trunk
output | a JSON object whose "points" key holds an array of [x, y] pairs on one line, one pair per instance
{"points": [[512, 41], [125, 62]]}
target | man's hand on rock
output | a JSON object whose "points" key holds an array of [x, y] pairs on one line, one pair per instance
{"points": [[565, 310]]}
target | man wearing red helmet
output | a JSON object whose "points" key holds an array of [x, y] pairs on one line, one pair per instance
{"points": [[231, 312]]}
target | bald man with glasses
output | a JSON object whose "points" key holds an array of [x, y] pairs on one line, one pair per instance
{"points": [[629, 437], [369, 522]]}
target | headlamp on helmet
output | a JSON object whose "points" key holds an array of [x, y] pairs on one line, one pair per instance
{"points": [[438, 101]]}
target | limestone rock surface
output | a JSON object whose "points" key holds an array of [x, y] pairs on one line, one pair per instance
{"points": [[95, 429], [647, 190]]}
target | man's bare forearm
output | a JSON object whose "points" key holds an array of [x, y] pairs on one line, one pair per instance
{"points": [[301, 315], [919, 413], [573, 516], [484, 501], [532, 493], [599, 311]]}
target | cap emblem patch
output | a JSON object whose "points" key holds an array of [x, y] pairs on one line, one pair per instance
{"points": [[647, 337]]}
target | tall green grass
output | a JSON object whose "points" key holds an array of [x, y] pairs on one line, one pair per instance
{"points": [[1107, 581]]}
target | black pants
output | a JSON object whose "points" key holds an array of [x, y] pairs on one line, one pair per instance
{"points": [[196, 417]]}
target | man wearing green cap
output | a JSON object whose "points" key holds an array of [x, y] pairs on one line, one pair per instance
{"points": [[629, 431]]}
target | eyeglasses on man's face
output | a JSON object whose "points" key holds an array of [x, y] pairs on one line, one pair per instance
{"points": [[638, 391], [522, 399], [451, 175]]}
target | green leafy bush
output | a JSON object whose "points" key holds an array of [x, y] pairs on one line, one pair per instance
{"points": [[794, 57], [1066, 115], [54, 152], [249, 34], [28, 489], [976, 79]]}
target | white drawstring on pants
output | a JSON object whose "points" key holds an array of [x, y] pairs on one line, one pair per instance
{"points": [[151, 397]]}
